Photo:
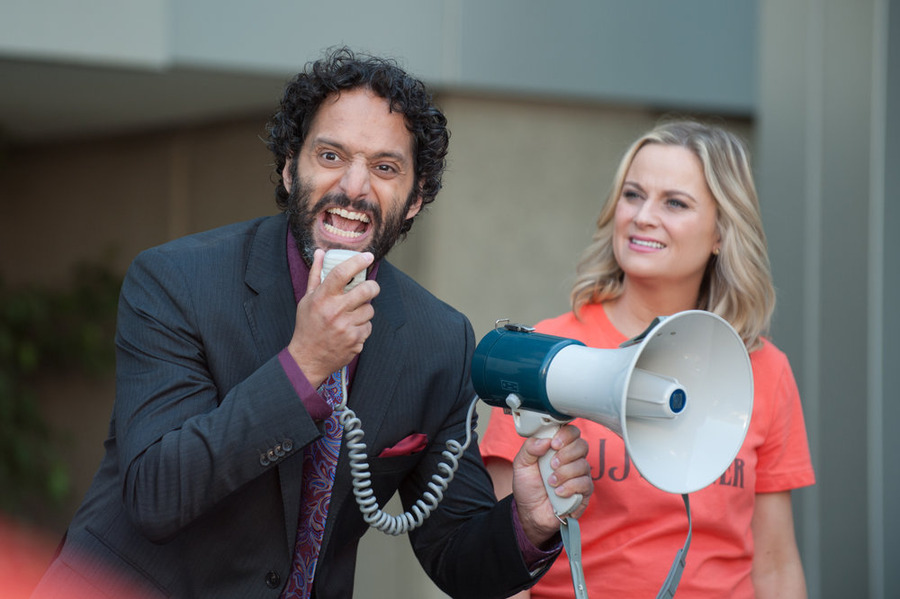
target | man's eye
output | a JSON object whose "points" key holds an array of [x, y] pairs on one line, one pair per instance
{"points": [[330, 156], [386, 169]]}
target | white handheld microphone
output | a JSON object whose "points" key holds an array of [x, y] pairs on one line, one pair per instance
{"points": [[335, 257]]}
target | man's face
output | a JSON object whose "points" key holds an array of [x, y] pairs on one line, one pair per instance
{"points": [[354, 183]]}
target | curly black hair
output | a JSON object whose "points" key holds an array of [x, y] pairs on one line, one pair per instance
{"points": [[342, 69]]}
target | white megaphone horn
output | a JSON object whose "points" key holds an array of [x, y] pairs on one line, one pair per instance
{"points": [[680, 395]]}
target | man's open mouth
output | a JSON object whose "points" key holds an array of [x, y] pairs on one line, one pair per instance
{"points": [[345, 223]]}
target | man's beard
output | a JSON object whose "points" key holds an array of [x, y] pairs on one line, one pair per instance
{"points": [[387, 228]]}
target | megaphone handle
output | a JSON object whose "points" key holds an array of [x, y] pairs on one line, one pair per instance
{"points": [[561, 505]]}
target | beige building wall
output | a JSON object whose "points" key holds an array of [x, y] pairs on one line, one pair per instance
{"points": [[79, 200], [524, 185]]}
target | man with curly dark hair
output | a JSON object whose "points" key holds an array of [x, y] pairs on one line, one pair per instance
{"points": [[228, 469], [289, 127]]}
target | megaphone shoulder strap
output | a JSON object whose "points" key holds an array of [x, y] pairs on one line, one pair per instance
{"points": [[571, 538], [671, 583]]}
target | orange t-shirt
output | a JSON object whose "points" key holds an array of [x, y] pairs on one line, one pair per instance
{"points": [[631, 530]]}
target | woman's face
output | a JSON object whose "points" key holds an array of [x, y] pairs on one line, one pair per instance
{"points": [[665, 220]]}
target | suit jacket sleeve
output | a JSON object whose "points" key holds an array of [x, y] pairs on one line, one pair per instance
{"points": [[184, 446]]}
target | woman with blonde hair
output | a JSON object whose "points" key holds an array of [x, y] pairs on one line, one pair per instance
{"points": [[681, 230]]}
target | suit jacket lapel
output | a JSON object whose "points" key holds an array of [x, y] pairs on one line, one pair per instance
{"points": [[271, 313], [375, 377], [271, 309]]}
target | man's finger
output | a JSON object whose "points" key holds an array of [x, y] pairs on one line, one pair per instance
{"points": [[315, 271], [344, 272], [532, 449]]}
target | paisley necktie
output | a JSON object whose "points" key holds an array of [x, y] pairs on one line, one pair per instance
{"points": [[319, 464]]}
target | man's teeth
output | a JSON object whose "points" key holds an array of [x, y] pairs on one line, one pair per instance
{"points": [[648, 244], [341, 232], [349, 215]]}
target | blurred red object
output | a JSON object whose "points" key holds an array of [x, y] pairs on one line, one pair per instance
{"points": [[24, 556]]}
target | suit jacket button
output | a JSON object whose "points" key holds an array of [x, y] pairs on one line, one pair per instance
{"points": [[273, 580], [263, 460], [271, 455], [287, 444]]}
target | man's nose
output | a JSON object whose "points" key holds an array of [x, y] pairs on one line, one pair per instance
{"points": [[356, 180]]}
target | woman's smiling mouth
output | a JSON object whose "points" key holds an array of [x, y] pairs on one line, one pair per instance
{"points": [[646, 243]]}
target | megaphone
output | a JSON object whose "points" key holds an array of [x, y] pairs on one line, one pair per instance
{"points": [[680, 395]]}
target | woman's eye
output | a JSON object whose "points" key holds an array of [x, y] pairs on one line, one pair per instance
{"points": [[676, 203], [630, 195]]}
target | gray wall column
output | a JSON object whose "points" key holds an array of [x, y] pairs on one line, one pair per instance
{"points": [[888, 416], [828, 69]]}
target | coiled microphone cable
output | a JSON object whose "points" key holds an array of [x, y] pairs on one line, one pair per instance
{"points": [[362, 485]]}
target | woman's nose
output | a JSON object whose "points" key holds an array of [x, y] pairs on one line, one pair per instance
{"points": [[647, 214]]}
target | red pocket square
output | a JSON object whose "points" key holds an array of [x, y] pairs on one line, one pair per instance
{"points": [[411, 444]]}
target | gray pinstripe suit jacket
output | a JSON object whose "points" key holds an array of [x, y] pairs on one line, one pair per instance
{"points": [[182, 504]]}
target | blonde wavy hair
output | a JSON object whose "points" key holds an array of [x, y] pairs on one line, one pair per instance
{"points": [[737, 284]]}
